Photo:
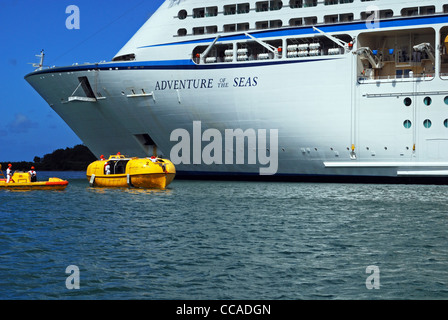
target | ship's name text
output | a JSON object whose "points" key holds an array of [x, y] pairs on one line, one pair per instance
{"points": [[188, 84]]}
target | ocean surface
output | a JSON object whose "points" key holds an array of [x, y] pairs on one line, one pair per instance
{"points": [[211, 240]]}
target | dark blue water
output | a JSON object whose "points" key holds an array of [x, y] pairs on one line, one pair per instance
{"points": [[225, 240]]}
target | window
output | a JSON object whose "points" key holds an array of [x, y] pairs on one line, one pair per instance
{"points": [[229, 27], [407, 124], [346, 17], [310, 21], [199, 13], [211, 29], [331, 18], [275, 5], [445, 123], [427, 101], [427, 10], [446, 100], [408, 12], [262, 6], [427, 123], [295, 4], [310, 3], [243, 8], [182, 14], [242, 26], [230, 9], [407, 102], [182, 32], [198, 30], [295, 22]]}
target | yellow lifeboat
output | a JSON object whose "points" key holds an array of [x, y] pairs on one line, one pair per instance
{"points": [[446, 43], [22, 181], [121, 171]]}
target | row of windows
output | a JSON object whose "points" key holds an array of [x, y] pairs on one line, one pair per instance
{"points": [[260, 6], [427, 101], [303, 21], [274, 5], [426, 123]]}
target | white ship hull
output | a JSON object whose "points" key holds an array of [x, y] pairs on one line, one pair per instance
{"points": [[331, 120]]}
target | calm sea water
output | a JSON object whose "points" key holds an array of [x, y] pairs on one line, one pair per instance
{"points": [[225, 240]]}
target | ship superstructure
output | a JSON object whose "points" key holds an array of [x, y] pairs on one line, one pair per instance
{"points": [[346, 88]]}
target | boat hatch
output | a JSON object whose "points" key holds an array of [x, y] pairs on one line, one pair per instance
{"points": [[118, 166]]}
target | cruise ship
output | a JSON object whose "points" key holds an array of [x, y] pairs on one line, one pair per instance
{"points": [[339, 90]]}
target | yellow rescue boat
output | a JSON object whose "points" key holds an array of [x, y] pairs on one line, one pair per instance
{"points": [[22, 181], [122, 171]]}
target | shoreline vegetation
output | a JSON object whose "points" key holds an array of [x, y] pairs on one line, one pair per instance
{"points": [[70, 159]]}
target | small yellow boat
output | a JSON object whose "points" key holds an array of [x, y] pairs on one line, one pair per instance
{"points": [[122, 171], [22, 181]]}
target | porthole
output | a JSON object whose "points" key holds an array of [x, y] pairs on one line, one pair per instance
{"points": [[182, 14], [445, 123], [427, 101], [407, 102], [182, 32], [407, 124], [427, 123], [446, 100]]}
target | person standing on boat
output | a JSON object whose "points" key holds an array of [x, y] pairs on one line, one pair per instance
{"points": [[33, 174], [9, 173], [107, 168]]}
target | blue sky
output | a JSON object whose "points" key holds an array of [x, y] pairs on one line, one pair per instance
{"points": [[28, 126]]}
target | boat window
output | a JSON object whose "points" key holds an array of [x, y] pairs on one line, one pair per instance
{"points": [[295, 4], [346, 17], [262, 6], [408, 12], [118, 166], [407, 124], [310, 21], [445, 8], [211, 11], [427, 123], [242, 26], [427, 101], [445, 123], [230, 9], [126, 57], [309, 3], [243, 8], [230, 27], [275, 5], [383, 14], [182, 14], [198, 30], [331, 18], [295, 22], [407, 102], [446, 100], [199, 13], [182, 32], [237, 8], [427, 10]]}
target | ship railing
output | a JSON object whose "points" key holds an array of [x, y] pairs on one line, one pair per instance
{"points": [[425, 76]]}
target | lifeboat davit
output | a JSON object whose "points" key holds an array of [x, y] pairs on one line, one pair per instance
{"points": [[121, 171]]}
